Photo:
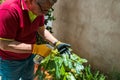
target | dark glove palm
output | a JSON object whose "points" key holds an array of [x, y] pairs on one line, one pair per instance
{"points": [[63, 48]]}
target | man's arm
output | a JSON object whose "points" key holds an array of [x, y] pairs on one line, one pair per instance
{"points": [[18, 47], [61, 47], [47, 35], [14, 46]]}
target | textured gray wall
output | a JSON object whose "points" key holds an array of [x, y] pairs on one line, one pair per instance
{"points": [[92, 27]]}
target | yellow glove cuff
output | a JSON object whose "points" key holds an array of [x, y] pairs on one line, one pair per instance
{"points": [[43, 49], [57, 43]]}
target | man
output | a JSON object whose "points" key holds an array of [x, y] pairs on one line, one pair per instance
{"points": [[18, 36]]}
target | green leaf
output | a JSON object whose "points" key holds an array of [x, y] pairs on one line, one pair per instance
{"points": [[74, 57], [62, 70], [50, 66], [70, 76], [58, 62], [78, 67], [65, 59]]}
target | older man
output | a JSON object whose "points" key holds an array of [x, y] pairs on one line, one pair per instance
{"points": [[19, 22]]}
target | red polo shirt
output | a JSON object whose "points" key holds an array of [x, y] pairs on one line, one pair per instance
{"points": [[15, 24]]}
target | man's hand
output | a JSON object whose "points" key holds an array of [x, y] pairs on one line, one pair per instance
{"points": [[62, 47], [42, 50]]}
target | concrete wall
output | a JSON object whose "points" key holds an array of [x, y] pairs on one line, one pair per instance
{"points": [[92, 27]]}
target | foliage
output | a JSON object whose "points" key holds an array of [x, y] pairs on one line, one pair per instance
{"points": [[49, 17], [90, 75], [62, 67]]}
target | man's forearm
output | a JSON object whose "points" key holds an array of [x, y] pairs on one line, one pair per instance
{"points": [[46, 35], [49, 37], [14, 46]]}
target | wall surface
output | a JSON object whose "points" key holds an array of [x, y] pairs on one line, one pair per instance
{"points": [[92, 27]]}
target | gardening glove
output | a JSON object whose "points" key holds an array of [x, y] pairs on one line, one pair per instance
{"points": [[62, 47], [42, 50]]}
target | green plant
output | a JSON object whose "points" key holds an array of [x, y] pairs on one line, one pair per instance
{"points": [[61, 67], [49, 17], [88, 74]]}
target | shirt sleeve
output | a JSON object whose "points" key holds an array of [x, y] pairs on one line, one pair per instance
{"points": [[8, 25]]}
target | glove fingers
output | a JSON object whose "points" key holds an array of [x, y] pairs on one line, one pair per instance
{"points": [[67, 45], [63, 46], [60, 47], [65, 50], [62, 50], [68, 53]]}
